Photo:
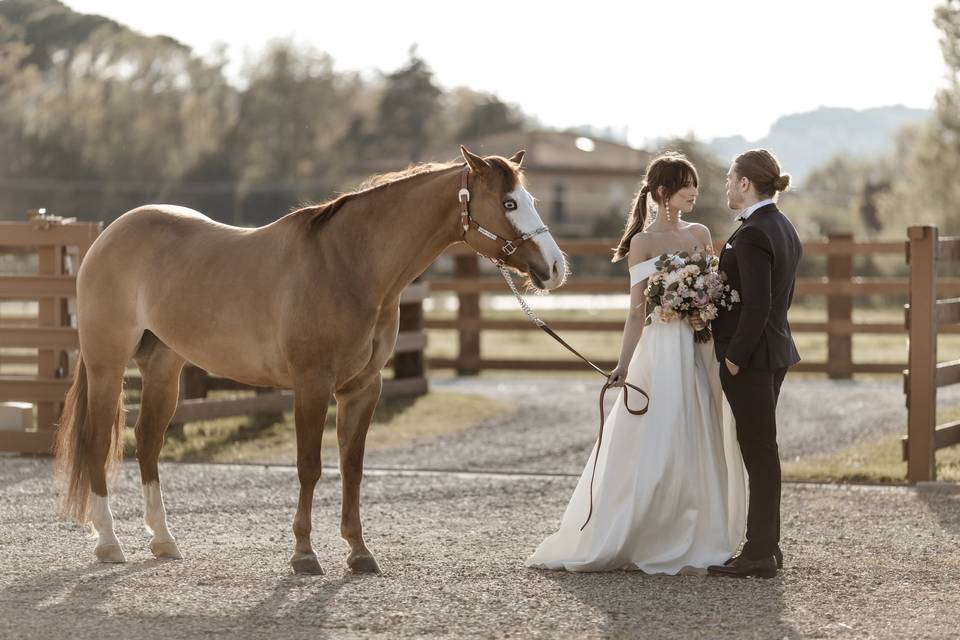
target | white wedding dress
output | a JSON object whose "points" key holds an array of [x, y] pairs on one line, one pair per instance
{"points": [[670, 489]]}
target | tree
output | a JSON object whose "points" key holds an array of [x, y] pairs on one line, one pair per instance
{"points": [[409, 103], [488, 115], [929, 191]]}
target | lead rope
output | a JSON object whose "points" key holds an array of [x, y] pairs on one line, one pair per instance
{"points": [[543, 325]]}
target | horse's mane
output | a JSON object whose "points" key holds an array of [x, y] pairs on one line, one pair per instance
{"points": [[318, 214]]}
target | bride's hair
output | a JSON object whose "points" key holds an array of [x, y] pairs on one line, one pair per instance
{"points": [[670, 170]]}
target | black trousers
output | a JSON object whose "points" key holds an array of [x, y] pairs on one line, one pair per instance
{"points": [[753, 395]]}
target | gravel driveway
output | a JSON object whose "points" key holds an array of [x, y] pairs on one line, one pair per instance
{"points": [[861, 562], [554, 424]]}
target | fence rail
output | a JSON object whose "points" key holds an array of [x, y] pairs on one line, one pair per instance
{"points": [[59, 249], [840, 287]]}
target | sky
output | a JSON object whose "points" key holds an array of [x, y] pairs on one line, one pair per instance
{"points": [[651, 69]]}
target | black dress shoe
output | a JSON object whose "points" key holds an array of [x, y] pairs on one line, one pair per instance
{"points": [[777, 555], [741, 567]]}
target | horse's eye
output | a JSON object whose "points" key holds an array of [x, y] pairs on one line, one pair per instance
{"points": [[509, 204]]}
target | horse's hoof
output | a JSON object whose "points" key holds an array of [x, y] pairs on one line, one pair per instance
{"points": [[110, 553], [363, 563], [165, 550], [306, 564]]}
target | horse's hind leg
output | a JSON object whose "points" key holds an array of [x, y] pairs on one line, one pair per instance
{"points": [[355, 406], [105, 411], [160, 370]]}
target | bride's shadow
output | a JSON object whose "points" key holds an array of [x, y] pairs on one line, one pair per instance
{"points": [[634, 604]]}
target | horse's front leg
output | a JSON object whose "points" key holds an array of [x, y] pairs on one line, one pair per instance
{"points": [[311, 401], [355, 405]]}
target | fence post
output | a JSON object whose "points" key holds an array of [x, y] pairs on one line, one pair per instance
{"points": [[50, 314], [839, 308], [468, 358], [410, 364], [922, 332]]}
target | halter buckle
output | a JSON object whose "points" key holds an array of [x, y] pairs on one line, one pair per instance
{"points": [[509, 248], [463, 195]]}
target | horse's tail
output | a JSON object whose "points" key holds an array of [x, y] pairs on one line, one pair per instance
{"points": [[74, 442]]}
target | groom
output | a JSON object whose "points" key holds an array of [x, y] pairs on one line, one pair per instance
{"points": [[755, 348]]}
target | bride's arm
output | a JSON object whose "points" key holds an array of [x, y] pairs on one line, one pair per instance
{"points": [[705, 244], [636, 316], [704, 241]]}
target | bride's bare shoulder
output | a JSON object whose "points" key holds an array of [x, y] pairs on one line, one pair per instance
{"points": [[642, 247]]}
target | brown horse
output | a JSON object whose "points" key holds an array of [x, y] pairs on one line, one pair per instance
{"points": [[309, 303]]}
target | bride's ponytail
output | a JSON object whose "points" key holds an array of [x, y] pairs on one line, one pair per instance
{"points": [[638, 217]]}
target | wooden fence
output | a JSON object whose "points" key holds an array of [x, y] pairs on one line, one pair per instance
{"points": [[840, 286], [927, 316], [50, 337], [59, 249]]}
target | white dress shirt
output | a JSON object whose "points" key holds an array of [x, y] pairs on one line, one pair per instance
{"points": [[746, 213]]}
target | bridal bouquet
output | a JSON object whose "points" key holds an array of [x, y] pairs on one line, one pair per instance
{"points": [[685, 286]]}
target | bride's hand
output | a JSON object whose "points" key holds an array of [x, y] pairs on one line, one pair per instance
{"points": [[618, 376]]}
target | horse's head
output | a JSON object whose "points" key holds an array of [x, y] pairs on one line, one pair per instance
{"points": [[500, 206]]}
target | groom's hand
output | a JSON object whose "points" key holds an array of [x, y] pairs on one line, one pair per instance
{"points": [[732, 368]]}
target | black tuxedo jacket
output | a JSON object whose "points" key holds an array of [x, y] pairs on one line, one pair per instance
{"points": [[761, 260]]}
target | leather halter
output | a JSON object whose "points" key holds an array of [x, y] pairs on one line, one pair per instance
{"points": [[507, 247]]}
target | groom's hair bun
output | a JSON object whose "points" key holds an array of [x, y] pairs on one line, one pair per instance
{"points": [[761, 167]]}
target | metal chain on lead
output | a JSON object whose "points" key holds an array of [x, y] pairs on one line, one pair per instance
{"points": [[523, 303]]}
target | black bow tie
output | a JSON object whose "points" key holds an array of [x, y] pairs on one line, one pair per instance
{"points": [[741, 218]]}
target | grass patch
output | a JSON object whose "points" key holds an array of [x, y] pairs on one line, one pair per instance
{"points": [[878, 461], [397, 422]]}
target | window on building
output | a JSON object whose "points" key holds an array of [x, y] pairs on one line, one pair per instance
{"points": [[559, 212]]}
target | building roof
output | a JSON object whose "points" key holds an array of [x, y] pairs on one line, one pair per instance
{"points": [[546, 151], [561, 151]]}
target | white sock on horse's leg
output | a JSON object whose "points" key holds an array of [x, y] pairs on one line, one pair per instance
{"points": [[163, 544], [108, 546]]}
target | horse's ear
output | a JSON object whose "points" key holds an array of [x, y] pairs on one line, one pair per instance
{"points": [[517, 158], [476, 163]]}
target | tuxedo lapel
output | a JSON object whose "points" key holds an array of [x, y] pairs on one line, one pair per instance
{"points": [[732, 236]]}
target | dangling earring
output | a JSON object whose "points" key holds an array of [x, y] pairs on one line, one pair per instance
{"points": [[666, 206]]}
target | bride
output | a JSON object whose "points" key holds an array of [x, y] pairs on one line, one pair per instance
{"points": [[670, 487]]}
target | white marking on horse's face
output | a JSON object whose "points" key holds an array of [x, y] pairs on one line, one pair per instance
{"points": [[525, 219]]}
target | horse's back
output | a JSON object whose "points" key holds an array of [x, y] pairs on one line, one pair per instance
{"points": [[162, 222], [192, 281]]}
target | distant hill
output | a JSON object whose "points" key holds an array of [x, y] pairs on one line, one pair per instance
{"points": [[803, 141]]}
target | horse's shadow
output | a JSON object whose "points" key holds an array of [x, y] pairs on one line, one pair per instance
{"points": [[634, 604], [67, 601]]}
